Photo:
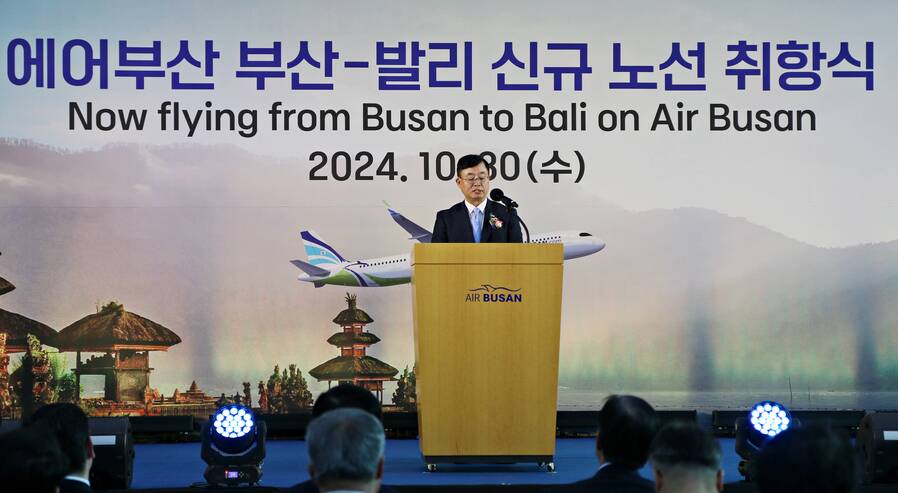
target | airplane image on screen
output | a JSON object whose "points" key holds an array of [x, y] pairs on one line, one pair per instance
{"points": [[326, 266]]}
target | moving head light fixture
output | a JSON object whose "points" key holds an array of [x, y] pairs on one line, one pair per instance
{"points": [[233, 447], [764, 421]]}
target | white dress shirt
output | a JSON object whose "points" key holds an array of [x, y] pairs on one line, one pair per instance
{"points": [[471, 208]]}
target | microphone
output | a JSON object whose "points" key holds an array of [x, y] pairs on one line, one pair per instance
{"points": [[499, 196]]}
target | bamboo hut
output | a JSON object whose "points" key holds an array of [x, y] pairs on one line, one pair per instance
{"points": [[354, 365], [125, 339]]}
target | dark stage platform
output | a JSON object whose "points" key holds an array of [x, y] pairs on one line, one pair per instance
{"points": [[174, 467]]}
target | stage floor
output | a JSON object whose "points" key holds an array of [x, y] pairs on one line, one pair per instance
{"points": [[179, 465]]}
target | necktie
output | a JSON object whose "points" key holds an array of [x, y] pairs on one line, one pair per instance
{"points": [[477, 223]]}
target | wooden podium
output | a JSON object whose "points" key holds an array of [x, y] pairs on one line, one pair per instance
{"points": [[487, 322]]}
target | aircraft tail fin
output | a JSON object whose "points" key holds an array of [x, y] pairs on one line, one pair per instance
{"points": [[310, 269], [318, 251], [417, 232]]}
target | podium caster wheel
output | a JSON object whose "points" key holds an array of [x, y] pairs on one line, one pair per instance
{"points": [[431, 468], [550, 467]]}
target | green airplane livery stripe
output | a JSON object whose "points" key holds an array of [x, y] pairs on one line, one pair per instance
{"points": [[389, 281], [342, 278]]}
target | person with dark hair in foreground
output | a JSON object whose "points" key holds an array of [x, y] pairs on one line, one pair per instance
{"points": [[686, 459], [342, 396], [31, 461], [475, 219], [627, 426], [807, 459], [69, 423], [347, 395]]}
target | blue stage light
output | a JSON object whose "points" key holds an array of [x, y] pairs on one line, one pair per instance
{"points": [[770, 418], [764, 421], [233, 421], [233, 446]]}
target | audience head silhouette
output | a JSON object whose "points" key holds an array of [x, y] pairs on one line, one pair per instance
{"points": [[31, 460], [347, 395], [807, 459], [627, 425], [69, 423], [346, 450], [686, 459]]}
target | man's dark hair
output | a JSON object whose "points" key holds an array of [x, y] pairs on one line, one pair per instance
{"points": [[808, 459], [468, 161], [627, 425], [69, 423], [30, 460], [685, 444], [347, 395]]}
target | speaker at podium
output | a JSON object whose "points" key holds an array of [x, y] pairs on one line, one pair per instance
{"points": [[487, 325]]}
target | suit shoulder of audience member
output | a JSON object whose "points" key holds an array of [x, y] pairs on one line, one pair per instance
{"points": [[310, 487]]}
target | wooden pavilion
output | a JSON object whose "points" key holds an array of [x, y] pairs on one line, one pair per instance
{"points": [[126, 339], [353, 365]]}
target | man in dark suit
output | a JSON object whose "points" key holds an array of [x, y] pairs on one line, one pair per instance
{"points": [[342, 396], [476, 219], [69, 423], [627, 426]]}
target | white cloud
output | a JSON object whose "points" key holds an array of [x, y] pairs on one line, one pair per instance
{"points": [[15, 181]]}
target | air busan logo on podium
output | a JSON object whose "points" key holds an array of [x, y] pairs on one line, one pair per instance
{"points": [[487, 293]]}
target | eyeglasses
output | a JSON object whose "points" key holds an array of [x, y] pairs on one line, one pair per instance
{"points": [[481, 178]]}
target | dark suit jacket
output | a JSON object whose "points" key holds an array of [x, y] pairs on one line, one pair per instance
{"points": [[453, 225], [310, 487], [69, 486], [611, 479]]}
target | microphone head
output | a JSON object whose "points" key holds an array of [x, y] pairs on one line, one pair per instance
{"points": [[497, 194]]}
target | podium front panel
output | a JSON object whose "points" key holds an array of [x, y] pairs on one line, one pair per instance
{"points": [[487, 323]]}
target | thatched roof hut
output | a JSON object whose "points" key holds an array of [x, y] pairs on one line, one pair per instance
{"points": [[352, 314], [114, 329], [17, 327], [5, 286], [349, 339], [345, 368]]}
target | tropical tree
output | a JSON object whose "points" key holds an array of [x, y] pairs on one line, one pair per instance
{"points": [[62, 380], [406, 395], [296, 390], [287, 391]]}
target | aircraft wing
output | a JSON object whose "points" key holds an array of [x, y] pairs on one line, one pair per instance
{"points": [[310, 269], [418, 233]]}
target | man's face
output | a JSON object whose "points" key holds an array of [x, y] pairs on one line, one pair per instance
{"points": [[474, 183]]}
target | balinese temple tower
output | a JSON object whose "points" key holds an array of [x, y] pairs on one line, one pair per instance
{"points": [[353, 365]]}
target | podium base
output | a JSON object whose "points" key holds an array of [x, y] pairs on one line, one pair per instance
{"points": [[488, 459]]}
